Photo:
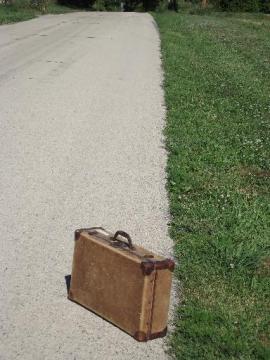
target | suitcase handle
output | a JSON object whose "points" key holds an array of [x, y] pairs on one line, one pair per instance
{"points": [[125, 235]]}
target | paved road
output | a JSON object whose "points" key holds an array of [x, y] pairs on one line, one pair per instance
{"points": [[81, 145]]}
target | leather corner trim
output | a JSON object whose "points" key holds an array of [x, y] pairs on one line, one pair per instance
{"points": [[143, 337], [77, 234], [165, 264], [171, 265], [147, 267], [158, 334], [140, 336]]}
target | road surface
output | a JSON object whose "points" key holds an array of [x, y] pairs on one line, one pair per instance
{"points": [[81, 145]]}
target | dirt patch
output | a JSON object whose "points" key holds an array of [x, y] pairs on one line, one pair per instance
{"points": [[252, 171]]}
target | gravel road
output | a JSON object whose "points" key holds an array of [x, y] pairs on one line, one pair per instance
{"points": [[81, 145]]}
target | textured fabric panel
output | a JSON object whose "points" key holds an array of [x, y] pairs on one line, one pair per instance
{"points": [[108, 283]]}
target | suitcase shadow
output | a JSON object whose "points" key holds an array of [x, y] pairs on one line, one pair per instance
{"points": [[68, 280]]}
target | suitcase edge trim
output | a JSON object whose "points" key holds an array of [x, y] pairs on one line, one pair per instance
{"points": [[149, 266], [78, 232], [142, 336]]}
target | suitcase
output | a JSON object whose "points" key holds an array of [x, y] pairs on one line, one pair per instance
{"points": [[123, 283]]}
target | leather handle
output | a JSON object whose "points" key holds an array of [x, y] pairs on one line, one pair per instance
{"points": [[125, 235]]}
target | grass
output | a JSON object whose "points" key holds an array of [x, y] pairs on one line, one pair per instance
{"points": [[217, 89], [21, 12], [11, 14]]}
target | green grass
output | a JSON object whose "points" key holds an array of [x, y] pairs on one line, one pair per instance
{"points": [[16, 12], [10, 14], [217, 88], [54, 8]]}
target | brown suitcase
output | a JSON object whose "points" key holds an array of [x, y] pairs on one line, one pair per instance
{"points": [[121, 282]]}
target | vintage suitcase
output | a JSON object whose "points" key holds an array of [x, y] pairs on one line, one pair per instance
{"points": [[121, 282]]}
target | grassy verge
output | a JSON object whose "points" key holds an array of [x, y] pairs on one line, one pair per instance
{"points": [[217, 86], [16, 12]]}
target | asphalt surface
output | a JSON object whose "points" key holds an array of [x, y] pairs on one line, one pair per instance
{"points": [[81, 145]]}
